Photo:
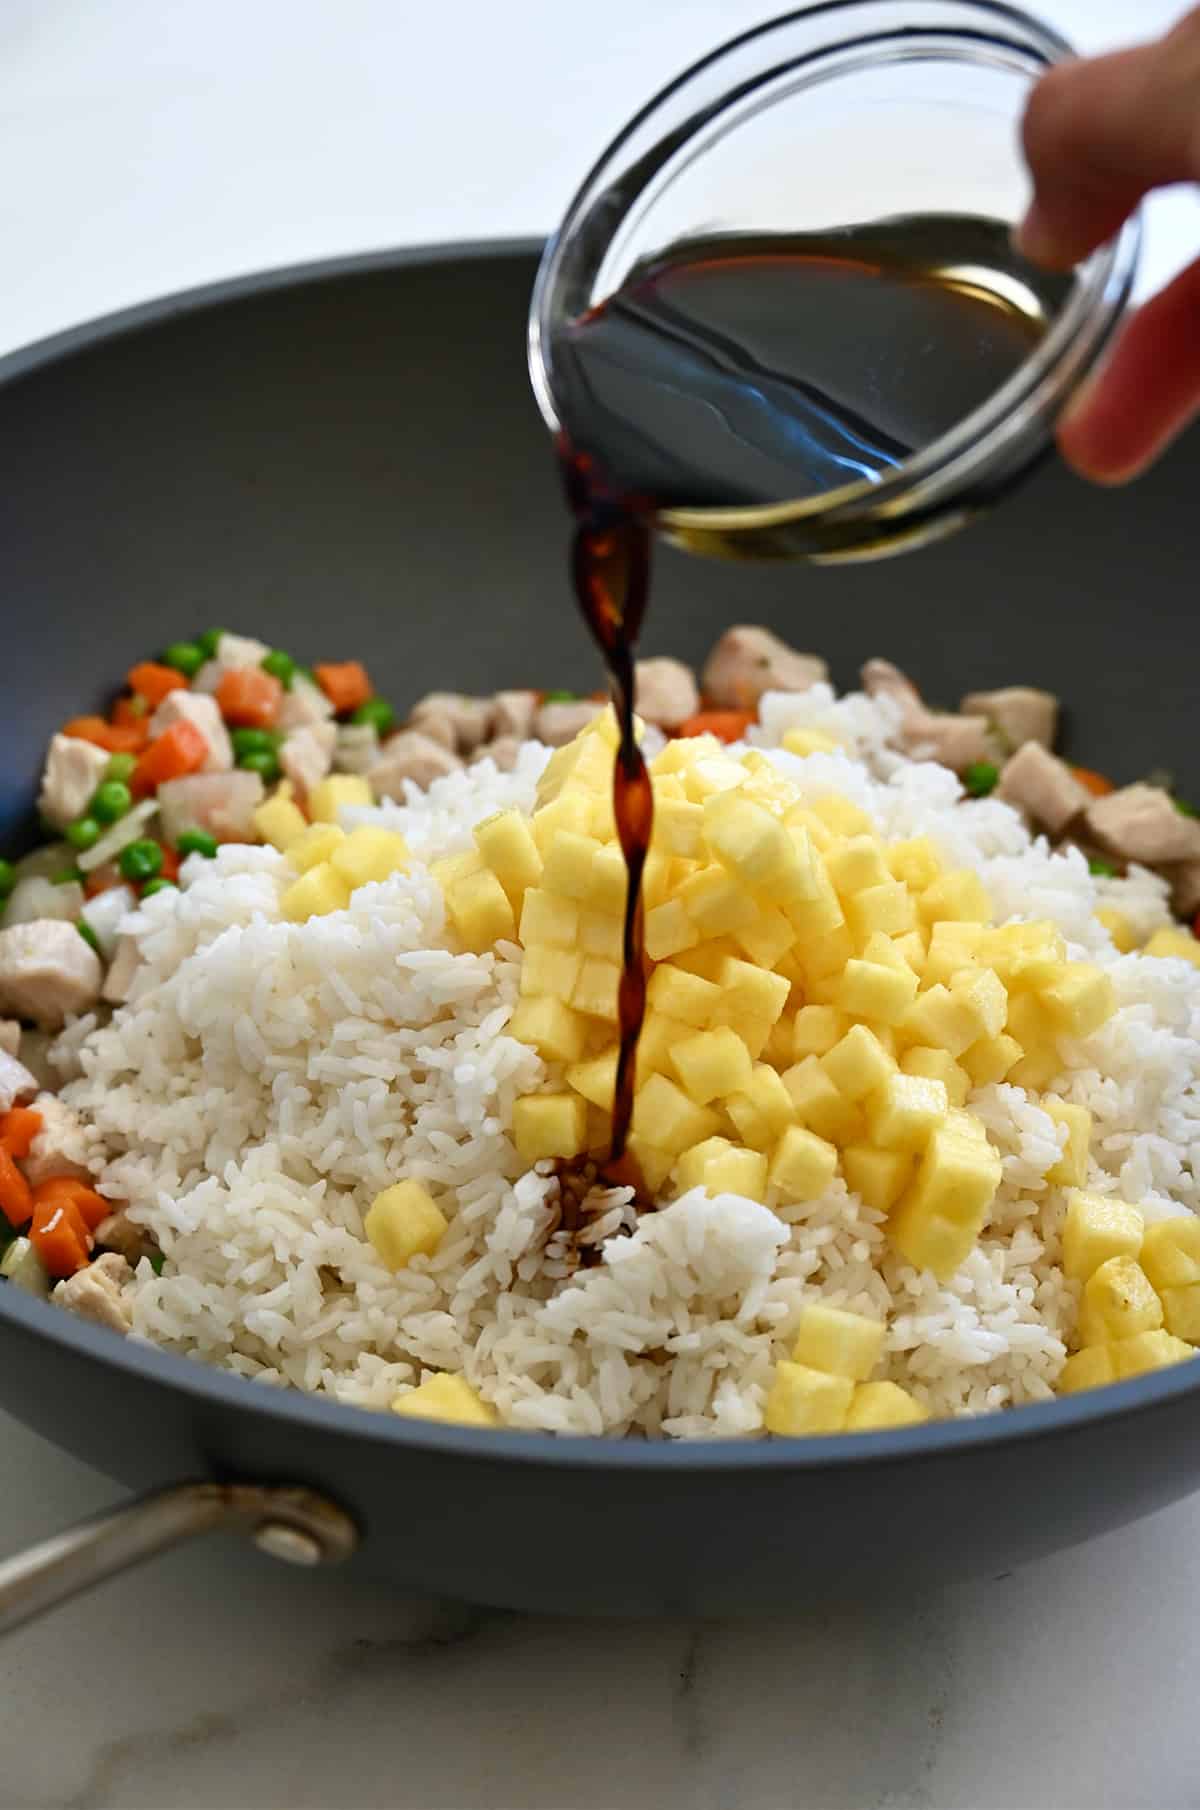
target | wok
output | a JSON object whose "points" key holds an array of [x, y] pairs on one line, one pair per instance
{"points": [[346, 459]]}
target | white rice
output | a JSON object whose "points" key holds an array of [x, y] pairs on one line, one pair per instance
{"points": [[267, 1079]]}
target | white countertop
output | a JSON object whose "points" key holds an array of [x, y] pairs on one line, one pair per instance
{"points": [[150, 147]]}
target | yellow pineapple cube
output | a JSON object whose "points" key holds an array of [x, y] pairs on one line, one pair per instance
{"points": [[983, 994], [567, 864], [1080, 1000], [937, 1220], [404, 1222], [447, 1398], [478, 908], [369, 854], [655, 1164], [1174, 942], [991, 1059], [816, 1029], [803, 742], [1145, 1351], [315, 846], [660, 1034], [1098, 1227], [554, 1030], [799, 817], [767, 939], [683, 752], [679, 826], [600, 935], [547, 919], [1117, 1302], [595, 990], [706, 959], [959, 895], [505, 841], [840, 1343], [596, 1077], [1092, 1368], [549, 973], [911, 948], [777, 1050], [609, 881], [857, 865], [1170, 1252], [888, 908], [1070, 1171], [329, 797], [938, 1065], [709, 1063], [570, 814], [681, 995], [669, 931], [663, 1113], [817, 1103], [716, 903], [1181, 1311], [803, 1401], [858, 1065], [839, 815], [878, 1177], [1025, 956], [749, 994], [952, 946], [1122, 932], [817, 916], [824, 954], [314, 895], [280, 822], [875, 1407], [802, 1165], [549, 1125], [886, 952], [942, 1020], [763, 1109], [602, 822], [905, 1110], [882, 994], [713, 773], [720, 1167], [916, 862]]}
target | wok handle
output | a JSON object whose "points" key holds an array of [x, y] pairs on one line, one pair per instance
{"points": [[295, 1525]]}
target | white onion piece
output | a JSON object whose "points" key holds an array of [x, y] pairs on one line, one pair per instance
{"points": [[38, 899], [104, 914], [125, 830]]}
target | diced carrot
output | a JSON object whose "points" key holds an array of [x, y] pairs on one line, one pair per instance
{"points": [[90, 1206], [133, 714], [153, 682], [59, 1237], [344, 683], [178, 751], [249, 698], [170, 862], [112, 737], [103, 879], [726, 725], [18, 1128], [1095, 782], [16, 1201]]}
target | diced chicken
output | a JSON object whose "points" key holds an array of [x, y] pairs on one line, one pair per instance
{"points": [[306, 755], [881, 679], [1042, 786], [512, 715], [119, 1233], [16, 1083], [1140, 823], [665, 692], [954, 741], [94, 1293], [1017, 713], [221, 803], [10, 1036], [410, 755], [47, 972], [118, 982], [456, 721], [241, 650], [748, 661], [558, 724], [63, 1146], [204, 714], [357, 748], [1185, 888], [305, 703], [503, 751], [73, 771]]}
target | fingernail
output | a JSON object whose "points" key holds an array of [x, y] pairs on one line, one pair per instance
{"points": [[1079, 401], [1033, 237]]}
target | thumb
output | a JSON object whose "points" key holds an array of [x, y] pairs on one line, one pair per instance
{"points": [[1100, 134]]}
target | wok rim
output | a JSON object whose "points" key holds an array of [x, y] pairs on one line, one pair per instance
{"points": [[207, 1385]]}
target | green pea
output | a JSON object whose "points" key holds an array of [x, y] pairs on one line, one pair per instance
{"points": [[253, 741], [197, 842], [141, 860], [263, 761], [981, 777], [207, 642], [89, 935], [156, 1261], [159, 885], [377, 712], [281, 666], [83, 833], [8, 878], [1183, 807], [1104, 870], [110, 801], [67, 876], [120, 767], [186, 657], [561, 697]]}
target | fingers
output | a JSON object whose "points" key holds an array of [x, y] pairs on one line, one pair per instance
{"points": [[1147, 392], [1100, 134]]}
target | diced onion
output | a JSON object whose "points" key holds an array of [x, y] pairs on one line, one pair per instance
{"points": [[125, 830], [104, 913]]}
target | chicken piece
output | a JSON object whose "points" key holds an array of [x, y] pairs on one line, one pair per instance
{"points": [[221, 803], [1141, 823], [118, 982], [1042, 786], [47, 972], [357, 748], [1185, 888], [119, 1233], [94, 1293], [16, 1083], [665, 692], [10, 1036], [512, 715], [1017, 714], [73, 771], [64, 1146], [503, 751], [558, 724], [234, 653], [748, 661], [954, 741], [880, 679], [303, 705], [306, 755], [204, 714], [456, 721], [410, 755]]}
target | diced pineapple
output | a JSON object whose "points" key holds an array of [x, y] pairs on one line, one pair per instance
{"points": [[858, 1065], [609, 881], [684, 996], [916, 862], [1122, 932], [840, 1343], [720, 1167], [706, 959], [505, 841], [1145, 1351], [602, 822], [941, 1020], [763, 1109], [596, 1077], [816, 917], [1091, 1368], [655, 1164], [802, 1165], [1080, 1000], [315, 894], [882, 994], [683, 752], [663, 1113], [478, 908], [1098, 1227], [713, 773], [803, 742], [1174, 942], [803, 1401], [669, 931], [1070, 1171], [549, 1125], [660, 1034], [330, 796], [1028, 1023], [1117, 1302], [570, 814], [878, 1177], [824, 954], [596, 988], [747, 993], [983, 994], [857, 865], [938, 1065], [991, 1059], [1181, 1311], [905, 1110], [953, 945], [315, 845], [678, 825], [816, 1029], [1025, 956], [554, 1030], [600, 935], [715, 903], [547, 919], [567, 864], [767, 940], [937, 1220], [839, 815], [369, 854], [911, 948], [280, 822], [777, 1050], [888, 908], [799, 817], [1170, 1252], [404, 1222], [556, 772], [875, 1407], [959, 895], [817, 1103], [447, 1398], [711, 1063], [549, 973]]}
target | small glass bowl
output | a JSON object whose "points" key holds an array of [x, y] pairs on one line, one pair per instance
{"points": [[841, 114]]}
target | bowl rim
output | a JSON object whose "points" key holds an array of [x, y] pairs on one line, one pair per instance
{"points": [[206, 1386]]}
